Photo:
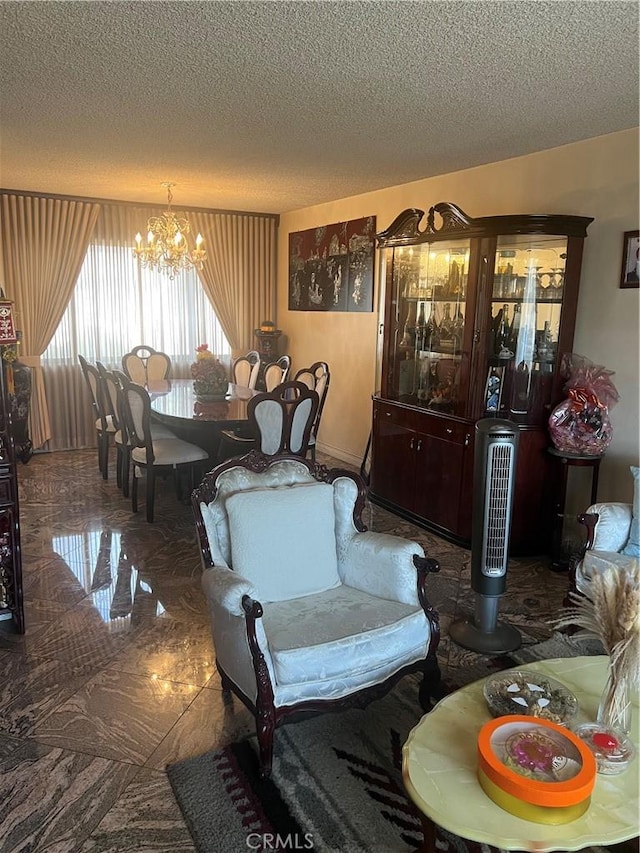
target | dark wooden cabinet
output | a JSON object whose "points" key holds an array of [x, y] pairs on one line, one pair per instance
{"points": [[11, 604], [476, 315]]}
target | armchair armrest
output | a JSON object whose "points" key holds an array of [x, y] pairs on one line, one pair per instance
{"points": [[608, 525], [227, 589], [383, 565]]}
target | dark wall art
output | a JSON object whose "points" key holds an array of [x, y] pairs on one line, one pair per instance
{"points": [[331, 267]]}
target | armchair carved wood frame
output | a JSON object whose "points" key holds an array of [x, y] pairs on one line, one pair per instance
{"points": [[257, 681]]}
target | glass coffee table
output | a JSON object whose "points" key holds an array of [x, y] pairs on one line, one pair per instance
{"points": [[439, 770]]}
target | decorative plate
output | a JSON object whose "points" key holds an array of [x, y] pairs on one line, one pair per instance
{"points": [[531, 694]]}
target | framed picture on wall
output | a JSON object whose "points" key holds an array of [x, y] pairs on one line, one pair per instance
{"points": [[331, 267], [630, 274]]}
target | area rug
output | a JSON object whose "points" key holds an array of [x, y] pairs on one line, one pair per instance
{"points": [[336, 783]]}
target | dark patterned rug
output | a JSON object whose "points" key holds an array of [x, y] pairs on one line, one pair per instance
{"points": [[337, 778]]}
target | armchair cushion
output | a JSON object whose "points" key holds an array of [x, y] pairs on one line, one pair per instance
{"points": [[301, 562], [598, 561], [632, 548], [340, 633]]}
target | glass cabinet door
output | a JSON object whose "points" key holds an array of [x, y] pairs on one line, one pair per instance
{"points": [[526, 311], [429, 284]]}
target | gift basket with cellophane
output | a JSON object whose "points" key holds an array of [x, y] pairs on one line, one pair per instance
{"points": [[580, 424]]}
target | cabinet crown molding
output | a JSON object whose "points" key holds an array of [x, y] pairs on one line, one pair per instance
{"points": [[405, 230]]}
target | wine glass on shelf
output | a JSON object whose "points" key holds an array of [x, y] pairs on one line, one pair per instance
{"points": [[557, 280]]}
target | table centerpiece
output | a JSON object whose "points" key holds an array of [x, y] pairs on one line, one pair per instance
{"points": [[210, 380]]}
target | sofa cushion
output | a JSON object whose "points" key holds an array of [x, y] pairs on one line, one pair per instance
{"points": [[283, 540], [632, 548], [339, 633]]}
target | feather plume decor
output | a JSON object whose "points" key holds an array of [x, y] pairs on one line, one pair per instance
{"points": [[610, 611]]}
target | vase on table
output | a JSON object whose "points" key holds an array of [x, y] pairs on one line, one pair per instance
{"points": [[614, 710], [210, 380]]}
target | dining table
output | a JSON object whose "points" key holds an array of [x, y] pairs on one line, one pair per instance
{"points": [[193, 418]]}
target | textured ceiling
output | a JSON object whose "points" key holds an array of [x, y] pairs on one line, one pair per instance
{"points": [[272, 106]]}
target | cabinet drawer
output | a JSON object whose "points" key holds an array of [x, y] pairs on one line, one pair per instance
{"points": [[449, 430], [5, 491], [388, 413]]}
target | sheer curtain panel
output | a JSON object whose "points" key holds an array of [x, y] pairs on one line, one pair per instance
{"points": [[44, 241]]}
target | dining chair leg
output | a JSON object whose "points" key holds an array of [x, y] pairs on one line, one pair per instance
{"points": [[151, 490], [126, 471], [177, 482], [134, 491], [100, 454], [119, 461], [103, 442]]}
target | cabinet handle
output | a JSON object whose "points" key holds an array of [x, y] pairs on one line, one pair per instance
{"points": [[388, 414], [448, 430], [381, 328], [476, 336], [411, 443], [419, 447], [467, 440]]}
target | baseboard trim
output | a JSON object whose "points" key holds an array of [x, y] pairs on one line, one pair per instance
{"points": [[338, 453]]}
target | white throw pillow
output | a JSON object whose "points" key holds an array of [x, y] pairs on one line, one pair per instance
{"points": [[283, 540]]}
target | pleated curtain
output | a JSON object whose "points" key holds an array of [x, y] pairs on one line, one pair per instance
{"points": [[239, 275], [44, 241]]}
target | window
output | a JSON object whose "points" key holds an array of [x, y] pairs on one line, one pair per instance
{"points": [[116, 306]]}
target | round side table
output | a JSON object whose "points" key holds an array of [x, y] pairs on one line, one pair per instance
{"points": [[566, 460]]}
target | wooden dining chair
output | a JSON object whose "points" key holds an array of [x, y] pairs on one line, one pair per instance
{"points": [[149, 453], [144, 364], [317, 377], [276, 372], [246, 369], [104, 425], [279, 421], [110, 388]]}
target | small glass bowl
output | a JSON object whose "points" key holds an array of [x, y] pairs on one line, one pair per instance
{"points": [[612, 749], [529, 693]]}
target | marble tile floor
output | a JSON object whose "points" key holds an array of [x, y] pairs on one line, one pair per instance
{"points": [[115, 676]]}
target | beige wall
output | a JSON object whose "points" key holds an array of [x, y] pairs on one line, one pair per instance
{"points": [[597, 177]]}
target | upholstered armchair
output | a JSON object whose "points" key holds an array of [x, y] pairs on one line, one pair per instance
{"points": [[309, 610], [613, 539]]}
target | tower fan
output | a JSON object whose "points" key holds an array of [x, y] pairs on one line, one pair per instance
{"points": [[493, 487]]}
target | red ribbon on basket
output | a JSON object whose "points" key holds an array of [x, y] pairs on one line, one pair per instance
{"points": [[580, 397]]}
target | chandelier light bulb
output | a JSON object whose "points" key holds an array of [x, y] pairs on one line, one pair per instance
{"points": [[167, 248]]}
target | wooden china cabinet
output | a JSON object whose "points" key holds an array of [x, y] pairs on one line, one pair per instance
{"points": [[475, 318], [11, 603]]}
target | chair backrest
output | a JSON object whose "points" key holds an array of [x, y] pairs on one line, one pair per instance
{"points": [[317, 377], [255, 471], [135, 368], [96, 390], [281, 420], [110, 391], [121, 379], [246, 368], [144, 363], [276, 373], [136, 412], [158, 367]]}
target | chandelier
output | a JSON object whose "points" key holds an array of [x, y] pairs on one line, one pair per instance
{"points": [[167, 249]]}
